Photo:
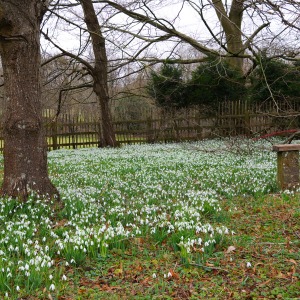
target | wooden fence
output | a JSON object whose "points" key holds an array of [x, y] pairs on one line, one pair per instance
{"points": [[229, 119]]}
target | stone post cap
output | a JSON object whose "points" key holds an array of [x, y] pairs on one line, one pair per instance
{"points": [[286, 147]]}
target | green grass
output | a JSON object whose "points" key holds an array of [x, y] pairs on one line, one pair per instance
{"points": [[155, 222], [267, 238]]}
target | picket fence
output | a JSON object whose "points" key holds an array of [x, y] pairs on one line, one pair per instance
{"points": [[231, 118]]}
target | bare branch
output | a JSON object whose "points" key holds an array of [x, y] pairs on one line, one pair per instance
{"points": [[67, 53]]}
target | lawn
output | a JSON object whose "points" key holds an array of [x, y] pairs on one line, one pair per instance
{"points": [[176, 221]]}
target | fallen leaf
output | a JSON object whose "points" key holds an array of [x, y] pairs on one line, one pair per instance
{"points": [[264, 283], [209, 265], [281, 275], [230, 249], [292, 261], [139, 268], [82, 290], [256, 265], [292, 271], [118, 272], [108, 288], [174, 274], [146, 281], [60, 223]]}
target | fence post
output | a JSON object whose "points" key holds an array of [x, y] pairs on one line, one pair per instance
{"points": [[150, 133], [198, 119], [247, 123], [54, 134]]}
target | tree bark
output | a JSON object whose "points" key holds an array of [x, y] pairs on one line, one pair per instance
{"points": [[25, 148], [231, 25], [99, 73]]}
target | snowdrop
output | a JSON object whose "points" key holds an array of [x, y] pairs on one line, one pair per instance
{"points": [[160, 190]]}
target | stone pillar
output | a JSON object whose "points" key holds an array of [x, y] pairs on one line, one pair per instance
{"points": [[287, 165]]}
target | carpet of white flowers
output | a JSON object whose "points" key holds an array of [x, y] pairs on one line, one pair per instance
{"points": [[167, 193]]}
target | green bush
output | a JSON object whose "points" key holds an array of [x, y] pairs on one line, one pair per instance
{"points": [[213, 82], [276, 80], [167, 87]]}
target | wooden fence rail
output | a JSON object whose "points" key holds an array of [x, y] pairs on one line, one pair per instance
{"points": [[231, 119]]}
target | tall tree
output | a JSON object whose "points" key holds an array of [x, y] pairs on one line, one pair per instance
{"points": [[25, 149], [97, 69], [99, 72], [232, 25]]}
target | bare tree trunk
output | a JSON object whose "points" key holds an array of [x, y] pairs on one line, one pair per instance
{"points": [[231, 25], [99, 73], [25, 156]]}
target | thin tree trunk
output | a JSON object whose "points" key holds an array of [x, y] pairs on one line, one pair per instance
{"points": [[99, 73], [25, 156]]}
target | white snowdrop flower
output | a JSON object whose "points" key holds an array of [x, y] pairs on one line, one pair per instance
{"points": [[169, 274], [154, 275], [64, 277], [165, 275], [248, 264], [52, 287], [26, 267], [49, 264], [17, 288], [72, 261], [67, 264], [44, 239], [6, 294], [50, 276]]}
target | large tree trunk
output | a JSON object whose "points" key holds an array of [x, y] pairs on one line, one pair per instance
{"points": [[231, 25], [25, 156], [99, 73]]}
